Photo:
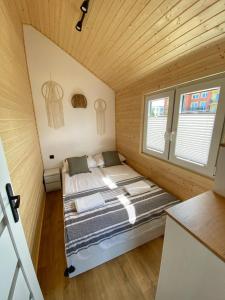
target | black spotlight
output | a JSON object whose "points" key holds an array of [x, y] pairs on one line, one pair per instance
{"points": [[80, 23], [79, 26], [84, 6]]}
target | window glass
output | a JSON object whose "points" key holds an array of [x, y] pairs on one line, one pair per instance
{"points": [[157, 124], [195, 125]]}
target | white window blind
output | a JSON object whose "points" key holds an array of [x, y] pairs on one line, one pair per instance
{"points": [[158, 114], [155, 133], [194, 135], [157, 122]]}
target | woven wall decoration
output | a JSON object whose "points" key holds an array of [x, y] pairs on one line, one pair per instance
{"points": [[79, 101], [100, 108], [53, 94]]}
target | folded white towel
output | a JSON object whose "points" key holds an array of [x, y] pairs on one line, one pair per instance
{"points": [[89, 202], [136, 188]]}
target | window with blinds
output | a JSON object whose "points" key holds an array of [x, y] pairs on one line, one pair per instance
{"points": [[195, 125], [157, 121], [186, 129]]}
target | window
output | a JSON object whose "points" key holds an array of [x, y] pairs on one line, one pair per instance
{"points": [[194, 106], [195, 96], [157, 117], [186, 129], [204, 94], [203, 105]]}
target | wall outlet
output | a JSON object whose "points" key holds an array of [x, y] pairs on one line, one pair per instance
{"points": [[51, 156]]}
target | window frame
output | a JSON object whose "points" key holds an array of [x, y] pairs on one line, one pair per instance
{"points": [[172, 123], [217, 130], [167, 93]]}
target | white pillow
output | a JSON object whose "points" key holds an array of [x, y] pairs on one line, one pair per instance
{"points": [[90, 161], [122, 158], [100, 161]]}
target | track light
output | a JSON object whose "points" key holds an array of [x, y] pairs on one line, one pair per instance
{"points": [[79, 26], [84, 6], [84, 9], [80, 23]]}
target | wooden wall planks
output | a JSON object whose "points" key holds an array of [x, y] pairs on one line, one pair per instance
{"points": [[124, 41], [129, 118], [18, 127]]}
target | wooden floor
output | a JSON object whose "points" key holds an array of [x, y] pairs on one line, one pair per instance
{"points": [[131, 276]]}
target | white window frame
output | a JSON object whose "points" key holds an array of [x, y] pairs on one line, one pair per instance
{"points": [[172, 123], [217, 130], [167, 93]]}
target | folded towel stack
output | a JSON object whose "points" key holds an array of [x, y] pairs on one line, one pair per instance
{"points": [[137, 188], [89, 202]]}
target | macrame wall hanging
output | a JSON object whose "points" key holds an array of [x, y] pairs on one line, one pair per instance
{"points": [[53, 94], [100, 108]]}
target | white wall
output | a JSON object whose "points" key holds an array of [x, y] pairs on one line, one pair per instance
{"points": [[79, 135]]}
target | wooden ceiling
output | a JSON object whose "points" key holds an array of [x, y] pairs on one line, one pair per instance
{"points": [[125, 40]]}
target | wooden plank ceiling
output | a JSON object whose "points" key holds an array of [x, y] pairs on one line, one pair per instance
{"points": [[125, 40]]}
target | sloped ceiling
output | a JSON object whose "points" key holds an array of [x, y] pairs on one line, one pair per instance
{"points": [[125, 40]]}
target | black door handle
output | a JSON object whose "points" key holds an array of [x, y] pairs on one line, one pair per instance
{"points": [[14, 201]]}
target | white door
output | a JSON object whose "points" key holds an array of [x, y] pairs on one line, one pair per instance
{"points": [[18, 280]]}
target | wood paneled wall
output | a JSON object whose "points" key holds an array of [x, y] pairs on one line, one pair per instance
{"points": [[129, 118], [18, 127]]}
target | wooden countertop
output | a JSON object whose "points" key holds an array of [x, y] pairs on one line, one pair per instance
{"points": [[204, 217]]}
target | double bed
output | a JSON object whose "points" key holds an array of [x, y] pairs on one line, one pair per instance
{"points": [[125, 222]]}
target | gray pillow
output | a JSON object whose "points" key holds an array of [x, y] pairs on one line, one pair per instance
{"points": [[77, 165], [111, 158]]}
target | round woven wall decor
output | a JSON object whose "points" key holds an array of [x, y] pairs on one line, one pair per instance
{"points": [[79, 101]]}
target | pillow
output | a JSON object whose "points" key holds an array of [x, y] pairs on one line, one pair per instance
{"points": [[77, 165], [90, 161], [111, 158], [122, 158], [100, 161]]}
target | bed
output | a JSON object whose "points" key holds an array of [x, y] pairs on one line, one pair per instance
{"points": [[122, 224]]}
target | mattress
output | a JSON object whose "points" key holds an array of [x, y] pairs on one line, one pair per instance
{"points": [[123, 223]]}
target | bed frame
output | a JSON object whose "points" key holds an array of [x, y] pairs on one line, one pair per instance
{"points": [[99, 254]]}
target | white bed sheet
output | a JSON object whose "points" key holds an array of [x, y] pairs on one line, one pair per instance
{"points": [[99, 177], [82, 182], [119, 173]]}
